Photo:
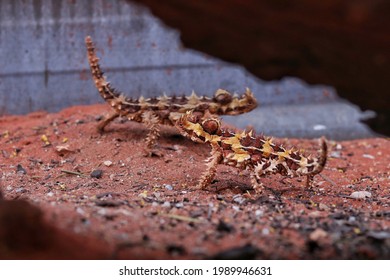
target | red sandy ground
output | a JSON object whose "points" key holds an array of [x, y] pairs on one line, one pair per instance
{"points": [[147, 208]]}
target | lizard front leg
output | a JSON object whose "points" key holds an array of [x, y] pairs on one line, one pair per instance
{"points": [[152, 123], [309, 181], [255, 175], [212, 162], [256, 184]]}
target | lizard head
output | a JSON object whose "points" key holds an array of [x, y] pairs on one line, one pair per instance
{"points": [[225, 103], [192, 126]]}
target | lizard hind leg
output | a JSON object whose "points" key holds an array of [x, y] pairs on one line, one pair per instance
{"points": [[209, 174], [106, 121]]}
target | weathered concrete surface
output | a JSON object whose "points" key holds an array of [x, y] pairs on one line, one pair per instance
{"points": [[334, 120], [43, 66]]}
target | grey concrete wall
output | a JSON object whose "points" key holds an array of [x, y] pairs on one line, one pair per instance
{"points": [[43, 65]]}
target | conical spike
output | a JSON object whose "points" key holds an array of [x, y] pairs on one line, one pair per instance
{"points": [[193, 94]]}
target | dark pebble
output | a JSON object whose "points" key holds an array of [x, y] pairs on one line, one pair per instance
{"points": [[175, 249], [246, 252], [222, 226], [108, 203], [97, 173], [20, 169], [80, 121]]}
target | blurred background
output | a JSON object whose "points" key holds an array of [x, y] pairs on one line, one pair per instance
{"points": [[316, 68]]}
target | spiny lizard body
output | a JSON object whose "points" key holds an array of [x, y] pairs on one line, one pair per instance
{"points": [[257, 154], [163, 110]]}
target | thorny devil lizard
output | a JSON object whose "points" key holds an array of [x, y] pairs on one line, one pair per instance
{"points": [[257, 154], [163, 110]]}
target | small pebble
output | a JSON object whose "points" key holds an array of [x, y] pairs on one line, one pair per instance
{"points": [[80, 211], [259, 213], [5, 154], [63, 148], [360, 195], [315, 214], [323, 207], [175, 147], [335, 154], [318, 234], [20, 190], [97, 173], [102, 211], [79, 121], [99, 118], [107, 162], [368, 156], [239, 199], [166, 204], [168, 187], [265, 231], [179, 205]]}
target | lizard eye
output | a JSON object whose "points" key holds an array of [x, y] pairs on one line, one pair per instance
{"points": [[211, 126], [223, 96], [194, 117]]}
